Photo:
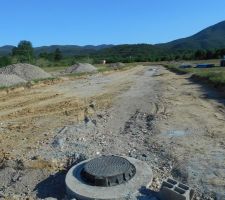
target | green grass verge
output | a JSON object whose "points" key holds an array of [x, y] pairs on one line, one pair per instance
{"points": [[43, 79], [78, 74], [3, 87], [214, 75]]}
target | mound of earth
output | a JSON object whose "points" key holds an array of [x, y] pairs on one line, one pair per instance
{"points": [[10, 79], [25, 71], [117, 65], [81, 68]]}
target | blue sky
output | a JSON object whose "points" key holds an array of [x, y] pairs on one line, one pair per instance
{"points": [[82, 22]]}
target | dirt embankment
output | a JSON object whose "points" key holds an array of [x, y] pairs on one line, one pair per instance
{"points": [[148, 113]]}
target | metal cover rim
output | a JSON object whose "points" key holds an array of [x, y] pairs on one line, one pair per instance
{"points": [[108, 171]]}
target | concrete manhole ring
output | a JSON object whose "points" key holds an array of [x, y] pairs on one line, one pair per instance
{"points": [[80, 189]]}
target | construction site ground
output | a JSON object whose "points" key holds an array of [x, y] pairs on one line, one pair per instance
{"points": [[146, 112]]}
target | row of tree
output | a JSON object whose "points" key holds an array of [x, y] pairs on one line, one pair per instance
{"points": [[55, 56], [163, 56], [24, 52]]}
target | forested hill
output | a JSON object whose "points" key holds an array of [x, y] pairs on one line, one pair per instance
{"points": [[212, 37]]}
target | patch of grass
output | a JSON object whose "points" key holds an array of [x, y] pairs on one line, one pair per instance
{"points": [[78, 74], [3, 87], [176, 69], [214, 75], [103, 68], [43, 79]]}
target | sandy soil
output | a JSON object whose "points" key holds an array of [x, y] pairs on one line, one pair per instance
{"points": [[149, 113]]}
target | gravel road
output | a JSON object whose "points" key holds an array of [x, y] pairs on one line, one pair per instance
{"points": [[146, 112]]}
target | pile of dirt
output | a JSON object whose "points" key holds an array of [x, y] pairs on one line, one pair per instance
{"points": [[7, 80], [24, 71], [81, 68], [117, 65]]}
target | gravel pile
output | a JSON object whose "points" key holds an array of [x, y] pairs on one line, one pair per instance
{"points": [[26, 72], [10, 79], [81, 68], [117, 65]]}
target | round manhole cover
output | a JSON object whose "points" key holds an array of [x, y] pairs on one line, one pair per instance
{"points": [[108, 171]]}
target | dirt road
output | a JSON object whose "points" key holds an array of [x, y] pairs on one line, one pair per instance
{"points": [[145, 112]]}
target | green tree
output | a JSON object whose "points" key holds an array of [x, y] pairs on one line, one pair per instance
{"points": [[58, 55], [24, 51], [200, 55], [43, 55], [209, 54], [4, 61]]}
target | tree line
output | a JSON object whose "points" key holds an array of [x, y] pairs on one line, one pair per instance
{"points": [[143, 54], [24, 53]]}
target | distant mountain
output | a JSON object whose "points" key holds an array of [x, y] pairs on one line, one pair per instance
{"points": [[70, 50], [5, 50], [212, 37], [67, 50]]}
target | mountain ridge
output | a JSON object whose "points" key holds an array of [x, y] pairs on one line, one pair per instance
{"points": [[212, 37]]}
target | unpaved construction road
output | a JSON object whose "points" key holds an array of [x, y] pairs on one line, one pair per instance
{"points": [[147, 112]]}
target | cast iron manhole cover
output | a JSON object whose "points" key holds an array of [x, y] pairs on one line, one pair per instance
{"points": [[108, 171]]}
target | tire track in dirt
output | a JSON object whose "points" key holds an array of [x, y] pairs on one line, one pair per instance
{"points": [[29, 117]]}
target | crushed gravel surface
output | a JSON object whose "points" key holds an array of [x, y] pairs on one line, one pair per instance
{"points": [[81, 68], [9, 80], [25, 71]]}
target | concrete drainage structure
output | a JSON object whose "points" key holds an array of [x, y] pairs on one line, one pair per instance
{"points": [[107, 177], [173, 190]]}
